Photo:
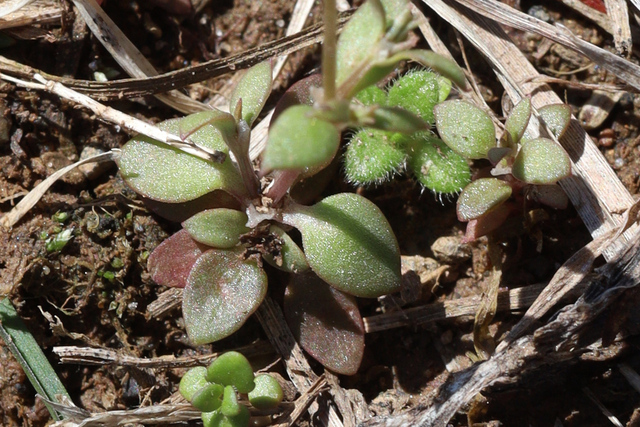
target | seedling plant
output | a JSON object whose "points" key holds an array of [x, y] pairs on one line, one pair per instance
{"points": [[235, 218]]}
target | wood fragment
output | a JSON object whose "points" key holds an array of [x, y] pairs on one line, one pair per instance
{"points": [[618, 15], [36, 12], [597, 108], [166, 302]]}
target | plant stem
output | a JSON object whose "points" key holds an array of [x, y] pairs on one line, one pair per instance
{"points": [[330, 18], [282, 182], [241, 151]]}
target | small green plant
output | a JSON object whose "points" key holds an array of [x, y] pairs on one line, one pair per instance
{"points": [[522, 164], [373, 156], [232, 221], [214, 390]]}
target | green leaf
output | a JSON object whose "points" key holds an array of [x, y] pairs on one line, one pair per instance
{"points": [[417, 92], [435, 165], [465, 128], [219, 228], [372, 95], [169, 175], [207, 399], [191, 382], [359, 40], [232, 369], [481, 196], [372, 157], [292, 259], [326, 323], [218, 419], [267, 394], [254, 89], [349, 244], [392, 119], [517, 122], [556, 117], [444, 88], [541, 161], [223, 122], [230, 406], [222, 292], [298, 140]]}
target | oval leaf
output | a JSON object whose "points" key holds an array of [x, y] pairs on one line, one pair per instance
{"points": [[326, 323], [222, 292], [417, 92], [349, 244], [191, 382], [218, 419], [219, 228], [517, 122], [167, 174], [267, 394], [372, 95], [298, 94], [207, 399], [541, 161], [291, 259], [435, 165], [254, 89], [298, 140], [230, 406], [556, 117], [465, 128], [372, 156], [223, 122], [481, 196], [232, 369], [170, 263]]}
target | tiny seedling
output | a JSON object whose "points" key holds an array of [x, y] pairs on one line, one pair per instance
{"points": [[214, 390], [522, 164], [233, 221]]}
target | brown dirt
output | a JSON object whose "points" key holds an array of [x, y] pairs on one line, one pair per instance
{"points": [[113, 233]]}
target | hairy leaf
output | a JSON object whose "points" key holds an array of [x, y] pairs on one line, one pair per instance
{"points": [[169, 175], [298, 140], [349, 244], [254, 89], [417, 92], [435, 165], [219, 228], [372, 156], [465, 128], [372, 95], [541, 161], [170, 263], [326, 323], [481, 196], [222, 292]]}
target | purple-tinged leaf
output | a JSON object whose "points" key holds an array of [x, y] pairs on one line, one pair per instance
{"points": [[219, 228], [326, 323], [298, 94], [541, 161], [465, 128], [481, 196], [170, 263], [349, 244], [220, 120], [498, 153], [222, 291], [550, 195], [254, 89], [487, 223]]}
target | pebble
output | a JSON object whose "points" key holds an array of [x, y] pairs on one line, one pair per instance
{"points": [[451, 250]]}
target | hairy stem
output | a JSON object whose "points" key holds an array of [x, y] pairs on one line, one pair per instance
{"points": [[330, 18]]}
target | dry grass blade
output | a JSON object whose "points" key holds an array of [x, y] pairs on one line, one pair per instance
{"points": [[298, 19], [618, 15], [127, 55], [31, 12], [12, 217], [10, 6]]}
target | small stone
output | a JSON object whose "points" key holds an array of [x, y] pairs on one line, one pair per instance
{"points": [[451, 250]]}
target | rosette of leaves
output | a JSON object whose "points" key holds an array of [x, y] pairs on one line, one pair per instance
{"points": [[523, 164], [345, 246], [214, 390], [374, 156]]}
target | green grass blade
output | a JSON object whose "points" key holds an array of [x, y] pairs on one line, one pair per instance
{"points": [[30, 356]]}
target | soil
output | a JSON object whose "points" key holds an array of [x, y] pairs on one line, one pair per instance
{"points": [[99, 288]]}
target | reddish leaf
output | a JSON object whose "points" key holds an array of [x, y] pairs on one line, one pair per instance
{"points": [[171, 262], [326, 323]]}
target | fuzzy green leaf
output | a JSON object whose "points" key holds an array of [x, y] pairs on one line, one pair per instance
{"points": [[435, 165], [219, 228], [292, 259], [222, 292], [372, 157], [267, 394], [326, 323], [169, 175], [556, 117], [349, 244], [254, 89], [207, 399], [298, 140], [517, 122], [418, 92], [232, 369], [541, 161], [191, 382], [465, 128], [481, 196], [372, 95]]}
